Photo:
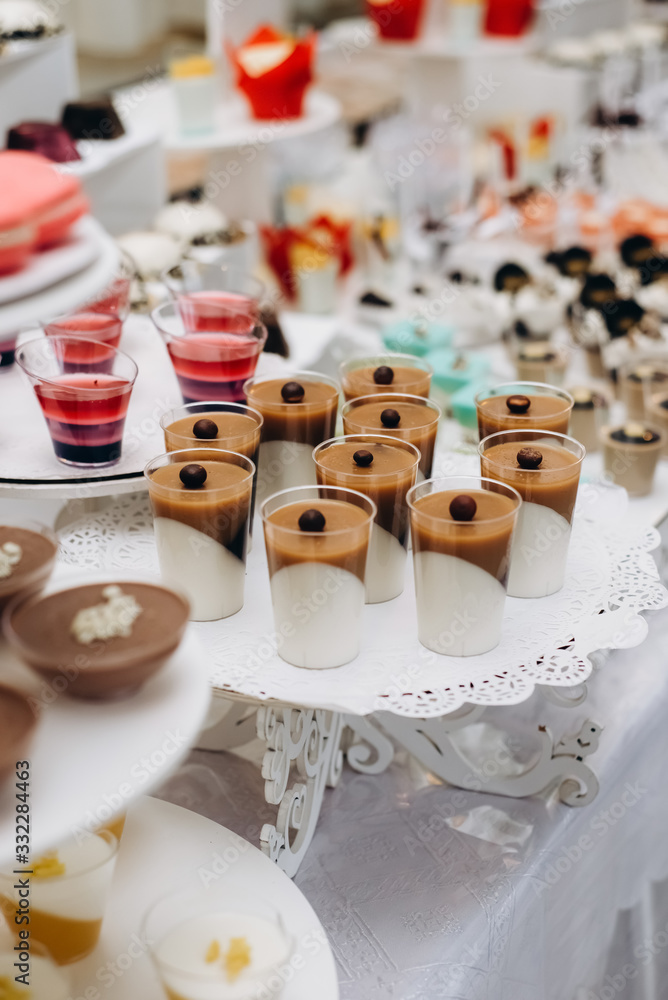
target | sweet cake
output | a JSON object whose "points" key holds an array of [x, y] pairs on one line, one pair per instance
{"points": [[630, 454], [97, 119], [51, 141], [273, 71]]}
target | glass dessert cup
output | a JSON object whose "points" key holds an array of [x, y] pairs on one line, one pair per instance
{"points": [[317, 540], [218, 943], [591, 409], [47, 980], [397, 23], [201, 501], [28, 553], [657, 413], [462, 529], [631, 454], [417, 423], [541, 363], [100, 639], [69, 890], [213, 348], [216, 282], [18, 721], [504, 408], [299, 412], [385, 373], [383, 469], [638, 381], [548, 483], [92, 325], [115, 298], [84, 389]]}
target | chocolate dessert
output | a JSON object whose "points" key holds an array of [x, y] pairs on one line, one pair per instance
{"points": [[588, 416], [636, 250], [383, 469], [18, 720], [520, 405], [103, 640], [51, 141], [544, 468], [630, 456], [571, 263], [540, 362], [411, 418], [621, 319], [230, 426], [597, 291], [97, 119], [638, 381], [27, 558], [510, 278], [402, 373], [462, 530]]}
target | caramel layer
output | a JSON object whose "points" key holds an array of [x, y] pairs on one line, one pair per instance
{"points": [[310, 421], [545, 413], [412, 381], [554, 484], [334, 545]]}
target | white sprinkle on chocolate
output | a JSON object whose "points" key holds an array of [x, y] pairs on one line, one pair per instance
{"points": [[10, 556], [110, 620]]}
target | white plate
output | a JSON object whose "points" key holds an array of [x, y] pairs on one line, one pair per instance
{"points": [[163, 847], [48, 267], [91, 759], [27, 470], [69, 292]]}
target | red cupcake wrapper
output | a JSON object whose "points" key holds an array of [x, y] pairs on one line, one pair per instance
{"points": [[278, 93]]}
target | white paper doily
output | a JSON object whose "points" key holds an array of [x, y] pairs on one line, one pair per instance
{"points": [[611, 578]]}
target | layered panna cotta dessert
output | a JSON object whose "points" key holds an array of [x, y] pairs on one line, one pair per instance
{"points": [[591, 408], [409, 418], [523, 405], [541, 362], [544, 468], [317, 543], [69, 888], [18, 719], [100, 640], [403, 373], [44, 981], [201, 501], [298, 413], [462, 531], [638, 382], [631, 454], [384, 469], [222, 956], [27, 558]]}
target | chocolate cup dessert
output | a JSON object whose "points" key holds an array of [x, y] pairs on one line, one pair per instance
{"points": [[523, 405], [384, 373], [317, 540], [18, 720], [631, 454], [383, 469], [410, 418], [638, 381], [201, 500], [27, 557], [589, 415], [541, 362], [544, 468], [462, 529], [230, 426], [299, 412], [657, 412], [97, 640]]}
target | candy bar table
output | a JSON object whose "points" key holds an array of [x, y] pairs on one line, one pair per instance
{"points": [[311, 719]]}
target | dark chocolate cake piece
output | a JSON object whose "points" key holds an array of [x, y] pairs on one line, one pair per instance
{"points": [[96, 119], [51, 141]]}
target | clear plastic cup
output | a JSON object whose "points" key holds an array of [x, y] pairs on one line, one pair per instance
{"points": [[357, 375], [549, 408], [93, 325]]}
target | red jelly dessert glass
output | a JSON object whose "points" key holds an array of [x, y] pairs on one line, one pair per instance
{"points": [[106, 328], [396, 21], [84, 388]]}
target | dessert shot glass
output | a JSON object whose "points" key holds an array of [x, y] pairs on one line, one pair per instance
{"points": [[83, 388], [410, 418], [69, 891], [201, 502], [523, 405], [462, 529], [631, 453], [544, 468], [213, 348], [92, 325], [214, 282], [299, 412], [317, 541], [639, 380], [383, 469], [218, 943], [384, 373], [115, 298]]}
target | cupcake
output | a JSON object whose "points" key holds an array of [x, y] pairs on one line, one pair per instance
{"points": [[273, 71]]}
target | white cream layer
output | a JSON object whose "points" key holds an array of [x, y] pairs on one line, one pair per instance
{"points": [[282, 465], [320, 608], [459, 605], [539, 552], [210, 575], [47, 981], [81, 893], [181, 957], [385, 568]]}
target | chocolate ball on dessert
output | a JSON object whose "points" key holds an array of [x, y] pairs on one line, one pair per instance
{"points": [[510, 278], [383, 375], [193, 476], [575, 261], [636, 250], [312, 520], [529, 458], [518, 404], [363, 459], [205, 429], [390, 418], [463, 508], [634, 433], [292, 392]]}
